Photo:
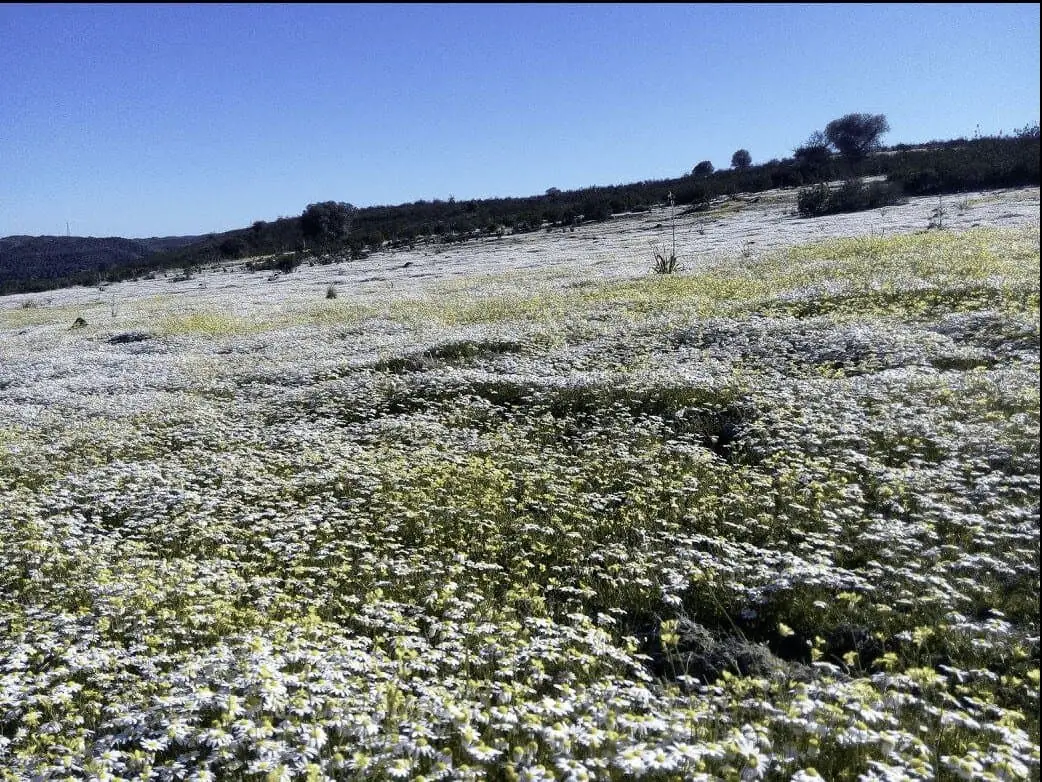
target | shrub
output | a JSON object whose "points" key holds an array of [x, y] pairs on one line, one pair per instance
{"points": [[853, 196], [695, 194], [598, 210], [233, 247], [813, 201], [982, 164], [1028, 131], [288, 263], [283, 263], [814, 158]]}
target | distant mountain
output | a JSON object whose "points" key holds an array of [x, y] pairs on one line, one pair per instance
{"points": [[48, 259]]}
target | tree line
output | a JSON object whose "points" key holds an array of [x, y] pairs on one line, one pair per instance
{"points": [[847, 148]]}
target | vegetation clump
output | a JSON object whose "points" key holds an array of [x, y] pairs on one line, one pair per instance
{"points": [[853, 196]]}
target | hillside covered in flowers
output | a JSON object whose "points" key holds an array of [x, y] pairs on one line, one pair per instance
{"points": [[774, 517]]}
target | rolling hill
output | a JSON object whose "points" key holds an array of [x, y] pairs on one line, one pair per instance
{"points": [[78, 259]]}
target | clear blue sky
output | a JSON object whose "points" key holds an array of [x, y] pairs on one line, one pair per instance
{"points": [[185, 119]]}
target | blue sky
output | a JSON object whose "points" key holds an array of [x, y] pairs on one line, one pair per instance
{"points": [[185, 119]]}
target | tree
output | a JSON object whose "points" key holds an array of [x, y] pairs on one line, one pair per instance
{"points": [[327, 222], [705, 168], [814, 150], [855, 135], [813, 156], [741, 159]]}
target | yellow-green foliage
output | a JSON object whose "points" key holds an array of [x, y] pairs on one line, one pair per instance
{"points": [[704, 294], [937, 256], [211, 324], [920, 275], [893, 274], [904, 273], [464, 310], [333, 313], [44, 315]]}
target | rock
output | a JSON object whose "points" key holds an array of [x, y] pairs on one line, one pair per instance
{"points": [[79, 323]]}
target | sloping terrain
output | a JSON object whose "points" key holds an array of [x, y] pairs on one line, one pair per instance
{"points": [[24, 258], [521, 509]]}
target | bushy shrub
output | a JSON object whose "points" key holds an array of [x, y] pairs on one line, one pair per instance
{"points": [[596, 209], [283, 263], [853, 196], [981, 164], [695, 194], [288, 263], [327, 222], [813, 201], [919, 181], [1028, 131], [785, 176]]}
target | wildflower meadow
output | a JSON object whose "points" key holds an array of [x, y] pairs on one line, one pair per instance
{"points": [[773, 517]]}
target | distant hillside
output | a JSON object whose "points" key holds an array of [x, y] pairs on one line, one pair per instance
{"points": [[30, 264], [50, 261]]}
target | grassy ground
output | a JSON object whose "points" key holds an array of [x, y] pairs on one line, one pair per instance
{"points": [[776, 518]]}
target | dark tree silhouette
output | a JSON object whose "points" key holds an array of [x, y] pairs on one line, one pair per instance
{"points": [[327, 222], [812, 158], [741, 160], [855, 135], [705, 168]]}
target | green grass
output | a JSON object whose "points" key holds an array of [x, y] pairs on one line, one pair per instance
{"points": [[210, 324], [47, 315]]}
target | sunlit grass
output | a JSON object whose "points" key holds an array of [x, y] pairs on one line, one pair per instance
{"points": [[333, 313], [210, 324], [938, 256], [41, 314], [476, 307]]}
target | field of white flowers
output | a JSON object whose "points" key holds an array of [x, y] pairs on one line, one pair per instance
{"points": [[775, 517]]}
